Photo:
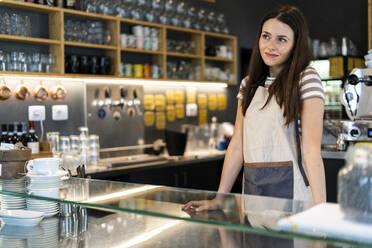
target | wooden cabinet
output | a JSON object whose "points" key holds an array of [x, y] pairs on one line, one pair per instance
{"points": [[60, 47]]}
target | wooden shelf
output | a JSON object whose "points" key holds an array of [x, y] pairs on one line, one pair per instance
{"points": [[89, 45], [184, 55], [28, 6], [183, 30], [136, 50], [219, 59], [221, 36], [78, 13], [31, 40], [57, 44], [136, 22]]}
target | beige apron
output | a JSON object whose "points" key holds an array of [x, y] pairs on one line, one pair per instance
{"points": [[270, 152], [271, 168]]}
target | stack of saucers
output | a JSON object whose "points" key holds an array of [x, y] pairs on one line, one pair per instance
{"points": [[49, 236], [45, 186], [10, 202]]}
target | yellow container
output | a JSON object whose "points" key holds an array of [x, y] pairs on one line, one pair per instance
{"points": [[138, 71]]}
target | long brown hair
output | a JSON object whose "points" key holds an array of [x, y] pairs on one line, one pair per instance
{"points": [[285, 87]]}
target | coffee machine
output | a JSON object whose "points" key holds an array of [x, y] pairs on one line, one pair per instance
{"points": [[357, 99]]}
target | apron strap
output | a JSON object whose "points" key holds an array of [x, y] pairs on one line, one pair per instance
{"points": [[299, 154]]}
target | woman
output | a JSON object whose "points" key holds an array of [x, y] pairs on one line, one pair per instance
{"points": [[281, 90]]}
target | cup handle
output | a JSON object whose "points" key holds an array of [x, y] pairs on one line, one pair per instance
{"points": [[29, 165]]}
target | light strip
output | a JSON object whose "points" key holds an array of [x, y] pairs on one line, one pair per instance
{"points": [[147, 235], [156, 82], [129, 81], [122, 193]]}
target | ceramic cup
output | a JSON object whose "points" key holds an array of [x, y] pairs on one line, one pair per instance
{"points": [[43, 165]]}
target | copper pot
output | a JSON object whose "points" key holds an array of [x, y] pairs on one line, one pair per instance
{"points": [[21, 91], [5, 91], [58, 92], [40, 92]]}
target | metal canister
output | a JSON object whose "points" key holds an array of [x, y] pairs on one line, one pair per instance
{"points": [[128, 70], [138, 71], [147, 71]]}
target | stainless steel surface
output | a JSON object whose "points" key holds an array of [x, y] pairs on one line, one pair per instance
{"points": [[131, 160], [15, 110], [357, 94], [341, 143], [113, 130]]}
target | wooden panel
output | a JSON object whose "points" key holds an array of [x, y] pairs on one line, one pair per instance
{"points": [[197, 39], [202, 64], [164, 49], [59, 65], [114, 27], [136, 50], [90, 45], [29, 40], [184, 55], [56, 31]]}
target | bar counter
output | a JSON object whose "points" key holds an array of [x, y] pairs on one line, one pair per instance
{"points": [[97, 213], [105, 167]]}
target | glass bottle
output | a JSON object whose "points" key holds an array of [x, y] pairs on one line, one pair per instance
{"points": [[10, 134], [32, 140], [4, 133]]}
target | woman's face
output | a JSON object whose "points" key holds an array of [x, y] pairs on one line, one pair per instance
{"points": [[276, 43]]}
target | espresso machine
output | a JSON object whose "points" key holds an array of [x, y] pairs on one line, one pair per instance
{"points": [[357, 99]]}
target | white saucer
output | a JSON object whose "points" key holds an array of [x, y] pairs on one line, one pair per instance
{"points": [[21, 217], [46, 178]]}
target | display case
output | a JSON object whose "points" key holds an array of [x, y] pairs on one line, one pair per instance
{"points": [[130, 210], [70, 35]]}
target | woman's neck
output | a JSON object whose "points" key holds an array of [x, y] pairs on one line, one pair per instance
{"points": [[274, 71]]}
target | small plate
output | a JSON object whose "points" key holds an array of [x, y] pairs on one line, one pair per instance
{"points": [[21, 217], [58, 175], [21, 214]]}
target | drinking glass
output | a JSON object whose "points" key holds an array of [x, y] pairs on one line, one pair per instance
{"points": [[50, 60], [14, 66], [53, 139], [64, 144], [74, 143], [36, 62], [2, 60], [22, 62]]}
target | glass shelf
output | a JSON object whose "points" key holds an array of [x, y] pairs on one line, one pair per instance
{"points": [[166, 203]]}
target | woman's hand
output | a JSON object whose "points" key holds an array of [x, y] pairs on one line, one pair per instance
{"points": [[202, 205]]}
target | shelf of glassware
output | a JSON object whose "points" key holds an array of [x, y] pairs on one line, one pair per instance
{"points": [[57, 42], [30, 40], [89, 45], [211, 58]]}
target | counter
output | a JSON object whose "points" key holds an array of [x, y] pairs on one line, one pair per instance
{"points": [[113, 214], [105, 166]]}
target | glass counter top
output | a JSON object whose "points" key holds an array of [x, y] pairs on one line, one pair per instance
{"points": [[91, 228], [238, 213]]}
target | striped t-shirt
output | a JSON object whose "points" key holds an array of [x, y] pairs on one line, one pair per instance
{"points": [[311, 86]]}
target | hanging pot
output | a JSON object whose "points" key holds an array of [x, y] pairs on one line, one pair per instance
{"points": [[22, 91], [40, 92], [58, 92], [5, 91]]}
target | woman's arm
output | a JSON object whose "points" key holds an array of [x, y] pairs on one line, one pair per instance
{"points": [[231, 166], [312, 128], [234, 155]]}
